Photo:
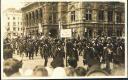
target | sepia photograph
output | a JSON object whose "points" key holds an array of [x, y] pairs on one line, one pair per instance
{"points": [[63, 39]]}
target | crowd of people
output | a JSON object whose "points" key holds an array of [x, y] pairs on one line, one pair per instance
{"points": [[13, 68], [95, 52]]}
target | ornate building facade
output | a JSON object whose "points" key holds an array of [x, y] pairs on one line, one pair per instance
{"points": [[14, 24], [86, 19]]}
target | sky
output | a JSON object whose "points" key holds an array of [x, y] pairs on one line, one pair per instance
{"points": [[11, 4], [19, 3], [5, 4]]}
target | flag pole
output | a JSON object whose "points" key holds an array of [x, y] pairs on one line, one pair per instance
{"points": [[60, 28]]}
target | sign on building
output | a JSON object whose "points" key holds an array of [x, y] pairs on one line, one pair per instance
{"points": [[66, 33]]}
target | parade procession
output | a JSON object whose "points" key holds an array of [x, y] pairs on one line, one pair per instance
{"points": [[66, 39]]}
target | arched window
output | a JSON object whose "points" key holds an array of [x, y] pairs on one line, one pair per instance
{"points": [[30, 16], [37, 14], [27, 19], [33, 17], [41, 12]]}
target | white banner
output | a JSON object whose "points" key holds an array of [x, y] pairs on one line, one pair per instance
{"points": [[66, 33]]}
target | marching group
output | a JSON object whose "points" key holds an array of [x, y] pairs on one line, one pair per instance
{"points": [[95, 52]]}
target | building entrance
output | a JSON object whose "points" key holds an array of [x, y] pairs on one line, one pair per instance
{"points": [[53, 32]]}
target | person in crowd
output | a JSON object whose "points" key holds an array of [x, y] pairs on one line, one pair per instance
{"points": [[7, 50], [31, 49], [95, 51], [40, 71], [80, 71], [72, 62], [90, 58], [95, 70], [58, 60], [11, 67], [36, 42], [70, 71], [97, 73], [108, 58], [46, 52]]}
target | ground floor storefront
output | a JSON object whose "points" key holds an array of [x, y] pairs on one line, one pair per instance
{"points": [[80, 30]]}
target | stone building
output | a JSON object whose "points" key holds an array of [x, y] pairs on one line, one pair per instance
{"points": [[86, 19], [14, 24]]}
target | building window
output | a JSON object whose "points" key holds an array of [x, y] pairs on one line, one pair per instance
{"points": [[21, 23], [73, 16], [18, 23], [27, 17], [110, 16], [13, 18], [14, 29], [109, 30], [8, 29], [8, 18], [8, 24], [54, 16], [50, 18], [9, 34], [100, 31], [118, 17], [37, 14], [14, 24], [101, 15], [33, 16], [30, 16], [21, 29], [88, 15], [119, 33], [89, 32], [14, 34], [40, 12], [18, 29]]}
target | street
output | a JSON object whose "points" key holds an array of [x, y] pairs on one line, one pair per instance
{"points": [[29, 65]]}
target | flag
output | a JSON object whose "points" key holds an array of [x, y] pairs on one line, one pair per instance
{"points": [[40, 27], [59, 25]]}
